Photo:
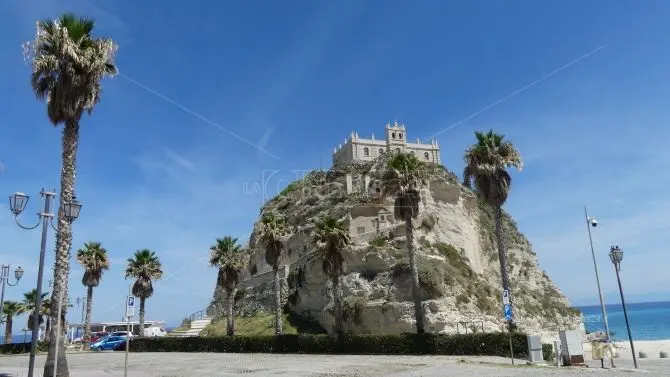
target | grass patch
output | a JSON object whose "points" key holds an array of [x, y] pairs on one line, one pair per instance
{"points": [[260, 324]]}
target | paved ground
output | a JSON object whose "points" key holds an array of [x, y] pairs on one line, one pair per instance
{"points": [[110, 364]]}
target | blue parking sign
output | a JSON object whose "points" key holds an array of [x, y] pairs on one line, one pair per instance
{"points": [[508, 312]]}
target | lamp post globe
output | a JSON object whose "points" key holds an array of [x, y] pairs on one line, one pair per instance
{"points": [[18, 202], [616, 256], [18, 273], [72, 209]]}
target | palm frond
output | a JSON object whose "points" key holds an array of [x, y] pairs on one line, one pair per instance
{"points": [[144, 266], [68, 65], [330, 239], [486, 164], [273, 232]]}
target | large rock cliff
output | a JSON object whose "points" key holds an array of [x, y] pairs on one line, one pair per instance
{"points": [[457, 258]]}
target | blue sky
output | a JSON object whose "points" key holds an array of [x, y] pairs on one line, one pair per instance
{"points": [[213, 95]]}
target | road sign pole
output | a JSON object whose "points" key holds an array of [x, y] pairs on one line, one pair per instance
{"points": [[507, 309], [130, 309]]}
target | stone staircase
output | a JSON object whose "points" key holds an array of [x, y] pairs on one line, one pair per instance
{"points": [[197, 325]]}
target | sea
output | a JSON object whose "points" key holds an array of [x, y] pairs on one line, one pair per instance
{"points": [[648, 321]]}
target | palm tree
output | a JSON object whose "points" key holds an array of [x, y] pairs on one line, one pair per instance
{"points": [[330, 238], [29, 299], [229, 257], [144, 267], [11, 309], [404, 178], [273, 231], [68, 64], [486, 164], [93, 257]]}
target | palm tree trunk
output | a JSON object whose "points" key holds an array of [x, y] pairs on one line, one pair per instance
{"points": [[502, 254], [142, 299], [63, 244], [337, 303], [8, 329], [416, 288], [230, 314], [87, 321], [278, 308]]}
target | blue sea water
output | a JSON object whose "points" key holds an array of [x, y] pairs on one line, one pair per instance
{"points": [[648, 320]]}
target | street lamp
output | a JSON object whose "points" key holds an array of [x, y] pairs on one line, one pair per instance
{"points": [[592, 222], [4, 280], [82, 301], [616, 256], [17, 203]]}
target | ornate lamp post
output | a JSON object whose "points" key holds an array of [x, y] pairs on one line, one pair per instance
{"points": [[616, 256], [4, 280], [17, 203], [82, 301]]}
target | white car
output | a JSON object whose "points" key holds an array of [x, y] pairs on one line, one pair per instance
{"points": [[121, 333], [155, 331]]}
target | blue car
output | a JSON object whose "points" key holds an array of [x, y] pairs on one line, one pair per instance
{"points": [[109, 343]]}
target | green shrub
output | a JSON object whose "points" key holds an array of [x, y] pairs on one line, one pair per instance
{"points": [[462, 299], [16, 348], [431, 275], [379, 241], [492, 344], [548, 352]]}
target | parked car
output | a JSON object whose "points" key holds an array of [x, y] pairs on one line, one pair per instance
{"points": [[95, 336], [154, 331], [109, 343], [122, 333], [98, 335]]}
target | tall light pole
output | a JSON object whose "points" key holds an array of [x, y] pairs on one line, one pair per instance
{"points": [[592, 222], [17, 203], [616, 256], [4, 280]]}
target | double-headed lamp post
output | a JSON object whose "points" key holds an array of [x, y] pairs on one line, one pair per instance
{"points": [[4, 280], [616, 256], [17, 203]]}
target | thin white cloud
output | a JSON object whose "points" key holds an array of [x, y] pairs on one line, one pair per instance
{"points": [[180, 160]]}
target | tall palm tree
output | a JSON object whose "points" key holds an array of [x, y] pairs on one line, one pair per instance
{"points": [[330, 238], [273, 232], [404, 177], [144, 266], [11, 309], [229, 257], [93, 257], [486, 164], [68, 64]]}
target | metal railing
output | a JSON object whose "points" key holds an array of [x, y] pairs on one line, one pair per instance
{"points": [[198, 315]]}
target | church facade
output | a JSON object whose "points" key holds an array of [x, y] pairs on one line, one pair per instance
{"points": [[395, 141]]}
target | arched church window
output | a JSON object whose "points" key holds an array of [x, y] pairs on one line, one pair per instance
{"points": [[397, 150], [400, 135], [393, 135], [366, 152], [426, 156]]}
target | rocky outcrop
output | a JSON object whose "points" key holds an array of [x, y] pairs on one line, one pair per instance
{"points": [[458, 263]]}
